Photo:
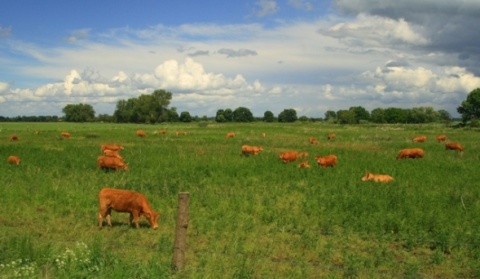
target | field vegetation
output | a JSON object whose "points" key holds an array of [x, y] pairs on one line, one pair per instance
{"points": [[250, 217]]}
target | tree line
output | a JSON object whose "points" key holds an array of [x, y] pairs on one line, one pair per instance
{"points": [[154, 108]]}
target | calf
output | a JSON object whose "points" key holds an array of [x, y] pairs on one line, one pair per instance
{"points": [[104, 162], [13, 137], [290, 156], [141, 133], [162, 132], [410, 153], [125, 201], [312, 140], [13, 160], [304, 164], [377, 177], [454, 146], [421, 138], [331, 136], [441, 138], [326, 161], [65, 135], [251, 150], [230, 135]]}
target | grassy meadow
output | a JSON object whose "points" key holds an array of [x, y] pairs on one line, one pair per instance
{"points": [[250, 217]]}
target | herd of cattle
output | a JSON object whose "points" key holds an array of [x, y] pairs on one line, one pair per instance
{"points": [[137, 204]]}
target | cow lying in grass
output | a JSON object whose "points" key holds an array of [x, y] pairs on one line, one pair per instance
{"points": [[125, 201], [377, 177], [251, 150]]}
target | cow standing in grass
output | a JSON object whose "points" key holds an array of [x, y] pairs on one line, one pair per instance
{"points": [[125, 201]]}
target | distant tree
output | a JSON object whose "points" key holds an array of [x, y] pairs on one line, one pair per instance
{"points": [[144, 109], [242, 114], [228, 114], [422, 115], [470, 108], [268, 116], [444, 115], [288, 115], [346, 117], [172, 115], [330, 114], [360, 114], [378, 116], [220, 116], [396, 115], [105, 118], [185, 116], [78, 113], [303, 118]]}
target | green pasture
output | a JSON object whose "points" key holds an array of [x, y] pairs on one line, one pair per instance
{"points": [[249, 217]]}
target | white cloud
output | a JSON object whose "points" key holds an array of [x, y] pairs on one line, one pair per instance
{"points": [[266, 7]]}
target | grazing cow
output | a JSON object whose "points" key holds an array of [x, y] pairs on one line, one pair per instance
{"points": [[14, 137], [141, 133], [410, 153], [251, 150], [112, 147], [304, 164], [331, 136], [162, 132], [454, 146], [290, 156], [111, 153], [104, 162], [326, 161], [441, 138], [377, 177], [125, 201], [230, 135], [65, 135], [312, 140], [13, 160], [421, 138]]}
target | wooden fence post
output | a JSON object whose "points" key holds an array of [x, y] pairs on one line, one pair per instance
{"points": [[178, 260]]}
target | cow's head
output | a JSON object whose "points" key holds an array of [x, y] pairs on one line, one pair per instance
{"points": [[152, 218]]}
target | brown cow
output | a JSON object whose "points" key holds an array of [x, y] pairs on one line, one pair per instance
{"points": [[331, 136], [111, 153], [141, 133], [104, 162], [454, 146], [230, 135], [13, 160], [312, 140], [441, 138], [304, 164], [14, 137], [125, 201], [420, 138], [290, 156], [162, 132], [65, 135], [113, 147], [326, 161], [377, 177], [251, 150], [410, 153]]}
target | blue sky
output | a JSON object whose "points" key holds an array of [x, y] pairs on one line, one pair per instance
{"points": [[312, 56]]}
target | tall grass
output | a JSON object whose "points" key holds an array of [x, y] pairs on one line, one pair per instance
{"points": [[250, 217]]}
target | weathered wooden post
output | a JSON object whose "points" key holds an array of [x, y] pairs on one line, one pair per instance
{"points": [[178, 261]]}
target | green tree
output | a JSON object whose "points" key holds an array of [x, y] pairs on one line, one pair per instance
{"points": [[378, 116], [268, 116], [228, 114], [151, 108], [346, 117], [470, 108], [242, 114], [78, 113], [396, 115], [288, 115], [360, 114], [185, 116], [444, 115], [422, 115], [220, 116], [330, 115]]}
